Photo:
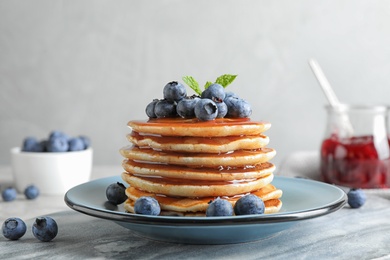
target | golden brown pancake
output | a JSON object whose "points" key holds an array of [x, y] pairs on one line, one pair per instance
{"points": [[235, 158], [190, 188], [198, 173], [191, 144], [194, 127]]}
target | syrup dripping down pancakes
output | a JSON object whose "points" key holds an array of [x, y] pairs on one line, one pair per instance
{"points": [[186, 163]]}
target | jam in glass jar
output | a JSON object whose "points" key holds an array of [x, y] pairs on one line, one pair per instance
{"points": [[355, 151]]}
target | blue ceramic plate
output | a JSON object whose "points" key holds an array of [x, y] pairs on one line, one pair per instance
{"points": [[302, 199]]}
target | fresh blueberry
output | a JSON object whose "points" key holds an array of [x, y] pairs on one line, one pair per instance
{"points": [[237, 108], [45, 229], [57, 144], [356, 198], [40, 146], [57, 133], [86, 141], [9, 194], [219, 207], [14, 228], [249, 204], [76, 144], [150, 109], [215, 92], [31, 192], [165, 108], [115, 193], [231, 94], [186, 107], [222, 109], [29, 144], [147, 206], [174, 91], [206, 109]]}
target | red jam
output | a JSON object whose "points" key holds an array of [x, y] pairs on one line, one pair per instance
{"points": [[355, 162]]}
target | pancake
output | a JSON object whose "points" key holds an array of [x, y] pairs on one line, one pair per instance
{"points": [[199, 173], [194, 127], [189, 188], [234, 159], [198, 144]]}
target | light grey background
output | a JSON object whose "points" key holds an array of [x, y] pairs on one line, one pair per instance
{"points": [[88, 67]]}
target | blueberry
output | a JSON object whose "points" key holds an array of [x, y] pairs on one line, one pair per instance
{"points": [[57, 133], [115, 193], [14, 228], [186, 107], [9, 194], [174, 91], [29, 144], [86, 141], [147, 206], [237, 108], [40, 146], [249, 204], [215, 92], [31, 192], [206, 109], [76, 144], [45, 229], [222, 109], [231, 94], [219, 207], [356, 198], [57, 144], [150, 109], [165, 108]]}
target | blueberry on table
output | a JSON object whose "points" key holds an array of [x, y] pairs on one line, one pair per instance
{"points": [[165, 108], [147, 206], [76, 144], [219, 207], [9, 194], [150, 109], [215, 92], [115, 193], [57, 144], [237, 108], [31, 192], [14, 228], [356, 198], [206, 109], [249, 204], [186, 107], [45, 229], [174, 91]]}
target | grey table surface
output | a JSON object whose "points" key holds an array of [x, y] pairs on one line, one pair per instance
{"points": [[362, 233]]}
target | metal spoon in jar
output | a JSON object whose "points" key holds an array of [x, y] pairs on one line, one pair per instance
{"points": [[330, 94]]}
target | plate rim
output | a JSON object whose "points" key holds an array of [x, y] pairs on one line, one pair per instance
{"points": [[207, 221]]}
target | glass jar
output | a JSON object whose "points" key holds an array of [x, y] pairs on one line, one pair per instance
{"points": [[355, 151]]}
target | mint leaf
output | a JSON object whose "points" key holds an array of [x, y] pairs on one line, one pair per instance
{"points": [[208, 84], [192, 83], [225, 80]]}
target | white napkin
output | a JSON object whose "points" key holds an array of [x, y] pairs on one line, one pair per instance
{"points": [[306, 164]]}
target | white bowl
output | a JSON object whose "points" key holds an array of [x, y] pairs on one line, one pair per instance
{"points": [[52, 173]]}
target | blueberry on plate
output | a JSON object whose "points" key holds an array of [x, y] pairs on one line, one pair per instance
{"points": [[14, 228], [76, 144], [45, 229], [31, 192], [356, 198], [237, 108], [219, 207], [215, 92], [57, 144], [186, 107], [150, 109], [249, 204], [115, 193], [165, 108], [174, 91], [206, 109], [9, 194], [147, 206]]}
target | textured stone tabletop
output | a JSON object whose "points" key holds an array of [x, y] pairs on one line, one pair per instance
{"points": [[362, 233]]}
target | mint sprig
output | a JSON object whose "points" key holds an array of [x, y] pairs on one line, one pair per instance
{"points": [[223, 80]]}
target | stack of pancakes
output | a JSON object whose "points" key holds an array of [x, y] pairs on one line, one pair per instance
{"points": [[186, 163]]}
